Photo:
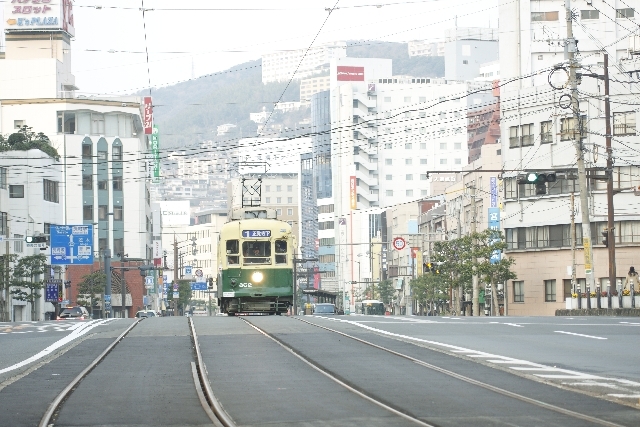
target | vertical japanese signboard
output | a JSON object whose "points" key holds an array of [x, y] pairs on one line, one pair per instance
{"points": [[493, 187], [353, 198], [155, 150], [494, 224], [147, 115]]}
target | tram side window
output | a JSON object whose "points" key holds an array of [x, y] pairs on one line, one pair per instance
{"points": [[281, 251], [233, 257], [256, 252]]}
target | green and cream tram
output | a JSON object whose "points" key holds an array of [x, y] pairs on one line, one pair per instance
{"points": [[255, 263]]}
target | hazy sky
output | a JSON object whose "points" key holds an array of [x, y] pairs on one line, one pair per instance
{"points": [[212, 40]]}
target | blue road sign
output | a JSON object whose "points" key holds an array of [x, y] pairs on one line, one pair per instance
{"points": [[198, 286], [51, 292], [107, 303], [71, 244], [187, 269]]}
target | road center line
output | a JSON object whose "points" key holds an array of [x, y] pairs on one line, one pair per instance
{"points": [[581, 335]]}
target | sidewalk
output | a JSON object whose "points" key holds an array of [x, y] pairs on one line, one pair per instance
{"points": [[615, 312]]}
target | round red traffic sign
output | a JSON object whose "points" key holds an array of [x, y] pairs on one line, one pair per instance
{"points": [[399, 243]]}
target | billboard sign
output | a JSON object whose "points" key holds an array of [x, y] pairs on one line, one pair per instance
{"points": [[494, 224], [493, 186], [350, 74], [155, 150], [38, 15], [52, 290], [157, 249], [353, 197], [147, 115], [175, 212]]}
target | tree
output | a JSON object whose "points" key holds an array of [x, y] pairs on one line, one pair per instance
{"points": [[489, 242], [25, 139], [184, 295], [6, 271], [429, 290], [455, 263], [24, 276], [91, 285], [386, 291]]}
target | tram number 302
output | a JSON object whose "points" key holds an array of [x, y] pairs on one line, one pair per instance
{"points": [[245, 285]]}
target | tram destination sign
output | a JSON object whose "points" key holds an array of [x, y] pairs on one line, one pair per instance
{"points": [[256, 233]]}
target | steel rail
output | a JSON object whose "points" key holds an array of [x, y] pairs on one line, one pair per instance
{"points": [[336, 380], [472, 381], [66, 392], [201, 369]]}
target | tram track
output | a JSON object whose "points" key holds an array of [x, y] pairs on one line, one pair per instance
{"points": [[50, 416], [454, 375]]}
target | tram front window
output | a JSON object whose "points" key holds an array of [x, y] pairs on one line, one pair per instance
{"points": [[256, 252], [281, 251], [233, 257]]}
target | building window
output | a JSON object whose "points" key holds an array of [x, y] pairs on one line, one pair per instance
{"points": [[389, 193], [568, 128], [279, 212], [103, 185], [527, 134], [103, 210], [544, 16], [443, 145], [409, 193], [118, 247], [465, 62], [87, 212], [409, 177], [423, 145], [87, 151], [289, 200], [278, 188], [118, 213], [388, 162], [408, 161], [624, 13], [458, 161], [268, 199], [424, 177], [408, 146], [116, 153], [16, 191], [50, 190], [589, 14], [117, 183], [423, 161], [268, 188], [3, 178], [278, 199], [3, 223], [87, 182], [624, 123], [389, 177], [289, 188], [546, 136], [514, 141], [407, 99], [443, 161], [550, 290], [18, 244], [387, 99], [518, 291], [290, 212], [457, 146]]}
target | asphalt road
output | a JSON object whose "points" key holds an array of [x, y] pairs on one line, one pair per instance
{"points": [[146, 380]]}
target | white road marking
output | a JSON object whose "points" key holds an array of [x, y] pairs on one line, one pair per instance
{"points": [[81, 330], [514, 324], [581, 335], [535, 369]]}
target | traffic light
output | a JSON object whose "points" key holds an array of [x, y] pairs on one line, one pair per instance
{"points": [[538, 179], [145, 269], [36, 239], [210, 283], [605, 238], [59, 292]]}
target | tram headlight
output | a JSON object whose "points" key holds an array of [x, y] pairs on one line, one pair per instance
{"points": [[257, 277]]}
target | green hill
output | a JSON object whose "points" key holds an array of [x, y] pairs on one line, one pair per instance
{"points": [[189, 112]]}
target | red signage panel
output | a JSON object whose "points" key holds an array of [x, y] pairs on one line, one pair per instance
{"points": [[147, 116], [350, 74]]}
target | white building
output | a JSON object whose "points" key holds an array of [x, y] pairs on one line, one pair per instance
{"points": [[425, 48], [537, 134], [313, 85], [281, 65], [387, 132], [269, 155], [101, 141]]}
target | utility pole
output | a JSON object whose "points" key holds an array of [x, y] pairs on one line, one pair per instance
{"points": [[474, 279], [460, 290], [611, 236], [573, 247], [107, 291], [175, 270], [571, 48]]}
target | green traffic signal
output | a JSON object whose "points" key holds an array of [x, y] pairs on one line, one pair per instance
{"points": [[532, 177]]}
